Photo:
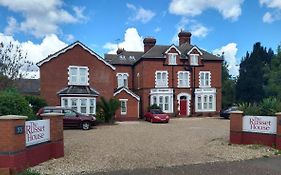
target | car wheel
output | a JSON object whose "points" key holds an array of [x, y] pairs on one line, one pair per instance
{"points": [[85, 125]]}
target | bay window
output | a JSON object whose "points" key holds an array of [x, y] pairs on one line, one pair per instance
{"points": [[85, 105], [205, 100], [162, 98]]}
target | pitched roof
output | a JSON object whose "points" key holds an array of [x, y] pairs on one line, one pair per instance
{"points": [[70, 47], [117, 91], [124, 58], [78, 90], [28, 86]]}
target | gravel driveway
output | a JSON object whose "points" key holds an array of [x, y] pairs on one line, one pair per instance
{"points": [[130, 145]]}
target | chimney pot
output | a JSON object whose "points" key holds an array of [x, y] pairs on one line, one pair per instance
{"points": [[184, 37], [148, 43]]}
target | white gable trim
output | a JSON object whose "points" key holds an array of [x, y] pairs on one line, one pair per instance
{"points": [[173, 46], [194, 47], [128, 91], [70, 47]]}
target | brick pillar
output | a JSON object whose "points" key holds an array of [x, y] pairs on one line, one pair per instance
{"points": [[56, 133], [236, 124], [278, 132], [12, 144]]}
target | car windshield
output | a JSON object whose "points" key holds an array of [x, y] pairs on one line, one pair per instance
{"points": [[156, 112]]}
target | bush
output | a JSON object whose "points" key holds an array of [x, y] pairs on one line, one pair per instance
{"points": [[154, 106], [12, 103], [35, 102], [29, 172], [107, 108], [268, 106]]}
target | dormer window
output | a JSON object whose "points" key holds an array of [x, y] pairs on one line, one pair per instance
{"points": [[78, 75], [172, 59], [194, 59]]}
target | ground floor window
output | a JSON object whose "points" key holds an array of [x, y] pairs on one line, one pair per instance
{"points": [[162, 98], [205, 100], [123, 106], [85, 105]]}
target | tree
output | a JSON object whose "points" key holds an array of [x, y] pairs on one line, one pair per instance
{"points": [[252, 79], [273, 87], [13, 64], [228, 87], [108, 108]]}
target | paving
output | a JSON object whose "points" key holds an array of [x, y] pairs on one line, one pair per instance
{"points": [[137, 145], [262, 166]]}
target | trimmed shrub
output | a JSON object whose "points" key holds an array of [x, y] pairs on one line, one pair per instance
{"points": [[12, 103], [35, 102]]}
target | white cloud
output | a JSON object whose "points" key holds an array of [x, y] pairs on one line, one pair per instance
{"points": [[140, 14], [199, 30], [267, 18], [70, 37], [196, 29], [36, 52], [41, 18], [157, 29], [132, 42], [230, 9], [230, 51], [271, 3], [275, 13], [12, 26]]}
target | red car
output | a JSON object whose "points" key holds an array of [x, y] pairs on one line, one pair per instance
{"points": [[156, 115], [71, 117]]}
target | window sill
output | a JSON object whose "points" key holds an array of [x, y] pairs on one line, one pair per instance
{"points": [[183, 86], [206, 110], [157, 86]]}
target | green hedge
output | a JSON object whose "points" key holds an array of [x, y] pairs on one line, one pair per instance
{"points": [[12, 103], [36, 102]]}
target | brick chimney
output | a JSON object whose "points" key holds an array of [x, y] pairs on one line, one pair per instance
{"points": [[120, 50], [184, 37], [148, 43]]}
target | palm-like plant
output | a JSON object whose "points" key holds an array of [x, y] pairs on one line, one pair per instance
{"points": [[108, 108]]}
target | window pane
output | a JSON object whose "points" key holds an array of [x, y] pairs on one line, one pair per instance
{"points": [[161, 102], [74, 104], [210, 102], [123, 107], [65, 102], [92, 106], [205, 102], [154, 100], [73, 71], [199, 102], [207, 79], [166, 103], [83, 105], [158, 76], [82, 71]]}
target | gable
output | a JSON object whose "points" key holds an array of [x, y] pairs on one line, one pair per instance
{"points": [[174, 48], [194, 49], [71, 46], [123, 89]]}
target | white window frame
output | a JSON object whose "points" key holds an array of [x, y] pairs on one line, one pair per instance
{"points": [[194, 59], [204, 105], [121, 78], [126, 107], [162, 82], [78, 104], [181, 78], [172, 58], [157, 94], [204, 82], [78, 76]]}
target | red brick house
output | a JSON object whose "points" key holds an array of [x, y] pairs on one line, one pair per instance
{"points": [[183, 80]]}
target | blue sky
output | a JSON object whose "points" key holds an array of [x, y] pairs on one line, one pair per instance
{"points": [[232, 27]]}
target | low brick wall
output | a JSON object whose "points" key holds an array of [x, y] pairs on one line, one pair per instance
{"points": [[238, 136], [15, 156]]}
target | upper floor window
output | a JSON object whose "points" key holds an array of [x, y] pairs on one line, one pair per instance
{"points": [[194, 59], [122, 79], [78, 75], [205, 79], [172, 59], [183, 79], [161, 79]]}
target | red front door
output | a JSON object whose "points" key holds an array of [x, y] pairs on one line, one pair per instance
{"points": [[183, 107]]}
